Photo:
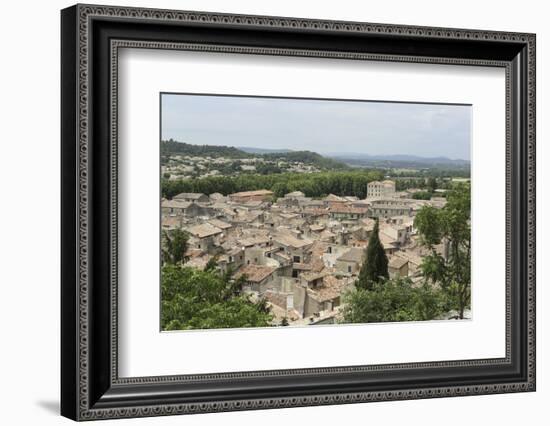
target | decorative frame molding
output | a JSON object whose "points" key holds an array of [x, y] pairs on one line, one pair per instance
{"points": [[91, 37]]}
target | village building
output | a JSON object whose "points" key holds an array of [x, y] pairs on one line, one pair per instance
{"points": [[343, 212], [247, 196], [216, 197], [224, 226], [192, 197], [298, 253], [377, 189], [174, 207], [350, 262], [204, 236], [389, 209], [258, 278], [293, 246]]}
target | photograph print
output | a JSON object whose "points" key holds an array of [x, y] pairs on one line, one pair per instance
{"points": [[293, 212]]}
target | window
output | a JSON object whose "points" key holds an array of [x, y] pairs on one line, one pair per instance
{"points": [[349, 269], [296, 259]]}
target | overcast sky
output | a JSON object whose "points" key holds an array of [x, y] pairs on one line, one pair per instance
{"points": [[375, 128]]}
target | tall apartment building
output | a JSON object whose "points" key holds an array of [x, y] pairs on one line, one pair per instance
{"points": [[377, 189]]}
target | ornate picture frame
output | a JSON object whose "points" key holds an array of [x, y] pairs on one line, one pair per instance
{"points": [[91, 37]]}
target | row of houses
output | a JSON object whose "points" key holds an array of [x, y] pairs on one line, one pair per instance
{"points": [[298, 253]]}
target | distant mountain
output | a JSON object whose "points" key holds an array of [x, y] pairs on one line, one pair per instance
{"points": [[398, 160], [251, 150]]}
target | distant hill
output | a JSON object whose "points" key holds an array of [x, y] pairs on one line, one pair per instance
{"points": [[306, 157], [262, 150], [399, 161], [174, 147]]}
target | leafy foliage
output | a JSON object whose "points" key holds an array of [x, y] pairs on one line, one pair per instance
{"points": [[451, 227], [312, 184], [375, 266], [194, 299], [422, 195], [175, 246], [394, 300]]}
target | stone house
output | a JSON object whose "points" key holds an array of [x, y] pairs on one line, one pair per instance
{"points": [[192, 197], [258, 278], [398, 267], [247, 196], [204, 236], [174, 207], [350, 262]]}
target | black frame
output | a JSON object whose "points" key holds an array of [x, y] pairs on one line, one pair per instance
{"points": [[90, 387]]}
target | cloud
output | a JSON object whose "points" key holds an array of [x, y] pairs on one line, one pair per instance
{"points": [[324, 126]]}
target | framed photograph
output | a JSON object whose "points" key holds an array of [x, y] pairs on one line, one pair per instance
{"points": [[263, 212]]}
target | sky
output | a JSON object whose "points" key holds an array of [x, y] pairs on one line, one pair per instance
{"points": [[323, 126]]}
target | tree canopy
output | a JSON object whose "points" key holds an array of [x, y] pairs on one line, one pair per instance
{"points": [[175, 246], [311, 184], [375, 265], [393, 300], [450, 226], [194, 299]]}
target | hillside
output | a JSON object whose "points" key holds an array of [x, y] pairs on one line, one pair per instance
{"points": [[173, 147], [307, 157], [400, 161]]}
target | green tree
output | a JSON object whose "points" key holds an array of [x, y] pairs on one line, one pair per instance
{"points": [[450, 226], [175, 246], [432, 184], [422, 195], [375, 266], [194, 299], [393, 300]]}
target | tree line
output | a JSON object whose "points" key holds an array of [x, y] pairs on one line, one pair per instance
{"points": [[311, 184]]}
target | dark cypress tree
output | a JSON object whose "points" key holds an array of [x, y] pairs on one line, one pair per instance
{"points": [[375, 266]]}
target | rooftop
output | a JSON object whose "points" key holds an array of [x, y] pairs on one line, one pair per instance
{"points": [[189, 196], [252, 193], [332, 197], [291, 241], [397, 262], [219, 223], [255, 273], [179, 204], [204, 230], [354, 254]]}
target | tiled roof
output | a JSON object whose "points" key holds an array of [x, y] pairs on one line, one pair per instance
{"points": [[252, 193], [255, 273], [178, 204], [291, 241], [397, 262], [204, 230], [354, 254], [332, 197], [219, 223]]}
